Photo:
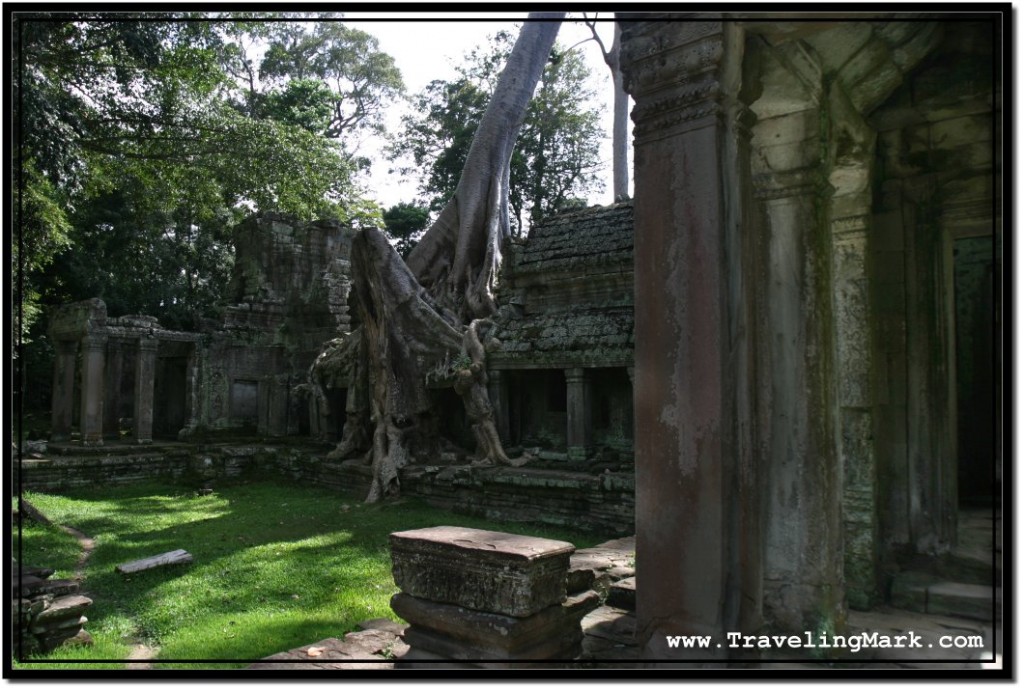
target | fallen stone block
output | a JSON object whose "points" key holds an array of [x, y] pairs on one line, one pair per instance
{"points": [[65, 607]]}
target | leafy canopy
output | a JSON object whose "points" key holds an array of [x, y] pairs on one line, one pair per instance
{"points": [[555, 162], [143, 138]]}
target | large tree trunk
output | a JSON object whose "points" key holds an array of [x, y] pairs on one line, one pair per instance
{"points": [[620, 132], [421, 320], [458, 257], [620, 112]]}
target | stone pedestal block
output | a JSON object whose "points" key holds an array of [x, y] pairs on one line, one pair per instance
{"points": [[488, 571], [461, 633]]}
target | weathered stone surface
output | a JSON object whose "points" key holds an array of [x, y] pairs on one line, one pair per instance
{"points": [[328, 654], [622, 594], [70, 606], [382, 624], [483, 570], [565, 647], [961, 600], [597, 567], [495, 631]]}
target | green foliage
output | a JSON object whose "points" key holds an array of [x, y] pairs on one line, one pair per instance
{"points": [[555, 161], [358, 78], [275, 567], [142, 142], [405, 223]]}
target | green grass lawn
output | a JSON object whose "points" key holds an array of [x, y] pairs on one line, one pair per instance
{"points": [[275, 567]]}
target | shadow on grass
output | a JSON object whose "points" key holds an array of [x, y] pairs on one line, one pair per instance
{"points": [[275, 567]]}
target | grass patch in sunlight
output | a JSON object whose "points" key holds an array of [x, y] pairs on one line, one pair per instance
{"points": [[275, 567]]}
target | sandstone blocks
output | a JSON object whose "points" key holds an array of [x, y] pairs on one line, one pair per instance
{"points": [[474, 595]]}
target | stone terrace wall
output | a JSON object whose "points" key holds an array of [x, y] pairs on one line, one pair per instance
{"points": [[595, 503]]}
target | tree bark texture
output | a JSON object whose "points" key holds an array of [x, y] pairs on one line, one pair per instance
{"points": [[423, 321], [459, 256]]}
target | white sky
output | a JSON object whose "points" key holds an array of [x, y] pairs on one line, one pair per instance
{"points": [[425, 47]]}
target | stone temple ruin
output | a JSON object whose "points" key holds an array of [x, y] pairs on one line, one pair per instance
{"points": [[269, 372], [779, 364]]}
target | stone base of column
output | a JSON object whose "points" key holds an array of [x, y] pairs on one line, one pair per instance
{"points": [[577, 453]]}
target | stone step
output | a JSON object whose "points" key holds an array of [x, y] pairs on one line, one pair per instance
{"points": [[927, 593], [964, 600]]}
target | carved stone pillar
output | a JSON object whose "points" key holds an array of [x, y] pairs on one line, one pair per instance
{"points": [[94, 355], [497, 391], [63, 397], [145, 376], [578, 419], [193, 392], [803, 574], [856, 401], [697, 495]]}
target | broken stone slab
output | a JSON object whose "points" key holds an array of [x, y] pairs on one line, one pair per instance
{"points": [[31, 586], [178, 556], [622, 594], [496, 631], [483, 570], [37, 571], [64, 608]]}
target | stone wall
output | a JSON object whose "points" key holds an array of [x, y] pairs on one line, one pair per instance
{"points": [[599, 503]]}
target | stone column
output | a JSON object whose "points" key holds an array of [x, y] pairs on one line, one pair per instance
{"points": [[578, 419], [697, 503], [94, 355], [853, 348], [63, 397], [803, 570], [497, 391], [145, 376], [193, 392]]}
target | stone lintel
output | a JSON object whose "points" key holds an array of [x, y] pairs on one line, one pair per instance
{"points": [[483, 570]]}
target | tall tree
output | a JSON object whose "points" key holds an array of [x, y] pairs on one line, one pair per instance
{"points": [[554, 162], [426, 318], [151, 119], [620, 110]]}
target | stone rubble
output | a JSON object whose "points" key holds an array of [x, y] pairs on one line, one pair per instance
{"points": [[46, 613]]}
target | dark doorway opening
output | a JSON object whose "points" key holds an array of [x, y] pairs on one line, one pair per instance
{"points": [[169, 397], [974, 269]]}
